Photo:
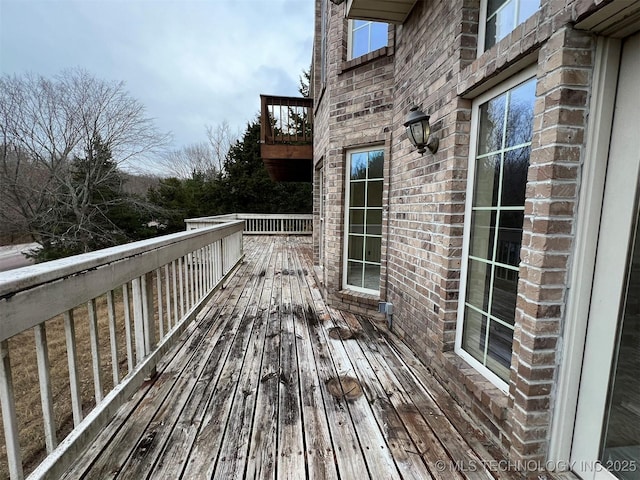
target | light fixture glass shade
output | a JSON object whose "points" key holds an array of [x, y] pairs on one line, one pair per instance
{"points": [[418, 129]]}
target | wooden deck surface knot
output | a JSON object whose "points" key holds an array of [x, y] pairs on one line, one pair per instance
{"points": [[341, 333], [345, 387]]}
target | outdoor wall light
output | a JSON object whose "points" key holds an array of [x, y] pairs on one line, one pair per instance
{"points": [[418, 131]]}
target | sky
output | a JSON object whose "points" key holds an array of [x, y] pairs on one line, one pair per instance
{"points": [[191, 63]]}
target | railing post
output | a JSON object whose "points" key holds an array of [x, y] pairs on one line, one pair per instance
{"points": [[12, 441]]}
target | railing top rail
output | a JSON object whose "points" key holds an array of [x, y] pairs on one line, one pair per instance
{"points": [[247, 216], [14, 281]]}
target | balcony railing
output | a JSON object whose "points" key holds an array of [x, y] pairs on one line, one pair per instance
{"points": [[147, 292], [261, 224], [286, 137]]}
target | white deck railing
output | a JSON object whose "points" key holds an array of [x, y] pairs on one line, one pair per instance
{"points": [[260, 223], [152, 290]]}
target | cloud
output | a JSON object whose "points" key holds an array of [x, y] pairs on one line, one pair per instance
{"points": [[190, 62]]}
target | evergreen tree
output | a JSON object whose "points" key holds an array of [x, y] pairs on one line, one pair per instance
{"points": [[243, 186]]}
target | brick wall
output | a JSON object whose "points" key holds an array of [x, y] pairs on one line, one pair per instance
{"points": [[353, 111], [561, 112], [433, 63]]}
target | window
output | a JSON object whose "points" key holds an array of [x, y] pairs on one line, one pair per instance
{"points": [[498, 168], [364, 220], [366, 36], [503, 16]]}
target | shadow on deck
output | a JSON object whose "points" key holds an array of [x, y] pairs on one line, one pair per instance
{"points": [[251, 393]]}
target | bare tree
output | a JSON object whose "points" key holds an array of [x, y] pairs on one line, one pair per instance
{"points": [[221, 138], [51, 134], [205, 158]]}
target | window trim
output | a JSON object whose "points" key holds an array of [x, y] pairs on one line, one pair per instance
{"points": [[345, 240], [521, 77]]}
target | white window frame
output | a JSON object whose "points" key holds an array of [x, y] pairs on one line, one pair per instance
{"points": [[350, 39], [347, 199], [482, 22], [512, 82]]}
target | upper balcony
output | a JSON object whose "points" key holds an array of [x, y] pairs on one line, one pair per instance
{"points": [[286, 137]]}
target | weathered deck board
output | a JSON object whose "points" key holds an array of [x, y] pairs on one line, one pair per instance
{"points": [[246, 396]]}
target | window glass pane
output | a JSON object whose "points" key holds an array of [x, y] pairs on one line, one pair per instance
{"points": [[491, 125], [514, 184], [359, 166], [376, 161], [499, 349], [527, 8], [364, 226], [503, 16], [374, 193], [372, 277], [510, 237], [372, 250], [356, 221], [490, 33], [483, 227], [487, 178], [354, 273], [503, 300], [505, 20], [356, 198], [492, 6], [360, 42], [374, 221], [500, 179], [356, 247], [473, 334], [478, 283], [379, 35], [520, 117]]}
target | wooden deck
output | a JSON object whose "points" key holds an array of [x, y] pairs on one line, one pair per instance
{"points": [[249, 394]]}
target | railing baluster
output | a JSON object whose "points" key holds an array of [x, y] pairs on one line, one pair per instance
{"points": [[44, 377], [160, 306], [212, 266], [174, 280], [127, 325], [138, 318], [197, 268], [95, 349], [7, 399], [113, 338], [180, 273], [72, 360], [149, 323], [167, 294], [192, 283]]}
